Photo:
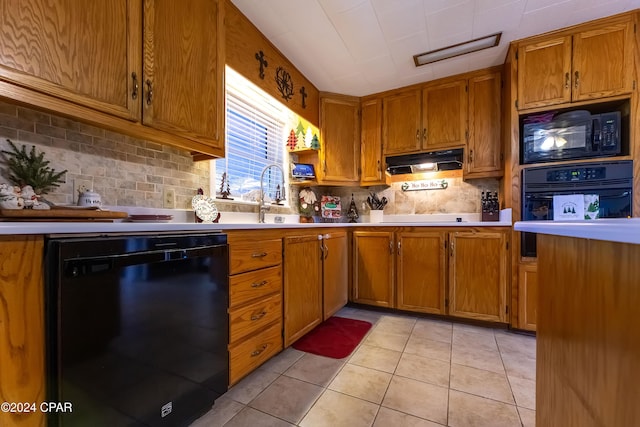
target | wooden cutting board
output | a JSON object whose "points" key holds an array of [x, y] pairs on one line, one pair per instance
{"points": [[60, 214]]}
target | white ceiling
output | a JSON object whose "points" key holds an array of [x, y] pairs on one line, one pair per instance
{"points": [[360, 47]]}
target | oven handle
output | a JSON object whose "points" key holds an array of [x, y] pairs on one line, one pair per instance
{"points": [[76, 267]]}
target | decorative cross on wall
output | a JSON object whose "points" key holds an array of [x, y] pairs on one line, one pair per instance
{"points": [[263, 63], [304, 94]]}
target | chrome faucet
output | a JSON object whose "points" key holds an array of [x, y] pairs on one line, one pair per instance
{"points": [[262, 208]]}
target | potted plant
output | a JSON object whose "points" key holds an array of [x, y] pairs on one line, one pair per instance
{"points": [[30, 173]]}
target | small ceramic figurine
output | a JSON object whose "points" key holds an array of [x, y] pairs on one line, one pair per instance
{"points": [[10, 197]]}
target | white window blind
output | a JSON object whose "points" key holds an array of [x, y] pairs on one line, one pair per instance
{"points": [[255, 138]]}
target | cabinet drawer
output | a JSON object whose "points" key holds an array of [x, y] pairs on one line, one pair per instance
{"points": [[245, 320], [254, 284], [247, 256], [253, 352]]}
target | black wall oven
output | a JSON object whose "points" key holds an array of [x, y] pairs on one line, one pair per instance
{"points": [[137, 328], [612, 182]]}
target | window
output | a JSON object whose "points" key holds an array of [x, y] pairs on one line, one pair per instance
{"points": [[255, 138]]}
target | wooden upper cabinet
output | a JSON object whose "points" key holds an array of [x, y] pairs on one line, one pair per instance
{"points": [[484, 147], [371, 162], [478, 275], [402, 122], [340, 138], [183, 69], [544, 72], [594, 63], [427, 119], [83, 52], [444, 115], [603, 62], [421, 271]]}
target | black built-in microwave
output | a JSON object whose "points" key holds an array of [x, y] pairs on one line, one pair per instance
{"points": [[571, 135]]}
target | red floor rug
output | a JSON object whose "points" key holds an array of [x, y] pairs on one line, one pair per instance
{"points": [[336, 337]]}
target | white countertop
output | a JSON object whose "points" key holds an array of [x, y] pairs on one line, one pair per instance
{"points": [[625, 230], [245, 222]]}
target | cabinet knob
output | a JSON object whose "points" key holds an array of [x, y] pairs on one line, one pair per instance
{"points": [[134, 92], [424, 134], [418, 134], [259, 350], [259, 284], [470, 156], [149, 91], [258, 316]]}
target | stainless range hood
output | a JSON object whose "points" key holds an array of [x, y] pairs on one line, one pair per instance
{"points": [[425, 162]]}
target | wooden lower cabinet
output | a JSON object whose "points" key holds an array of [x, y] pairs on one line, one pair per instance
{"points": [[302, 285], [373, 268], [255, 302], [252, 352], [335, 272], [421, 271], [478, 267], [22, 338], [527, 296]]}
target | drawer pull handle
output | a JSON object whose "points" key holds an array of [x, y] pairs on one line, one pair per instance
{"points": [[260, 255], [259, 351], [258, 316], [259, 284]]}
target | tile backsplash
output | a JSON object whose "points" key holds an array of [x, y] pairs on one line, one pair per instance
{"points": [[125, 171], [130, 172]]}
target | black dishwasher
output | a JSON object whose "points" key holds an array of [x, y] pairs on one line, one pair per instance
{"points": [[137, 328]]}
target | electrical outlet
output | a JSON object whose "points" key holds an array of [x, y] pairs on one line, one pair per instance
{"points": [[169, 198]]}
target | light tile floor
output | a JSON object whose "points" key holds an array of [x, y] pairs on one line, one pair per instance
{"points": [[407, 371]]}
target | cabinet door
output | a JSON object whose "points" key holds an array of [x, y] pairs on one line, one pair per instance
{"points": [[444, 115], [603, 61], [335, 272], [421, 271], [371, 143], [302, 286], [340, 136], [373, 266], [401, 129], [544, 72], [22, 335], [83, 52], [485, 142], [183, 69], [527, 296], [478, 275]]}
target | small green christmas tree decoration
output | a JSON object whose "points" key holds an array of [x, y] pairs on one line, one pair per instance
{"points": [[300, 129], [315, 142], [31, 169]]}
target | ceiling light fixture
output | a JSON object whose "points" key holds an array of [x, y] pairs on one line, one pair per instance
{"points": [[457, 49]]}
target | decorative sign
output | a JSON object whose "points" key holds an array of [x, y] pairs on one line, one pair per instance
{"points": [[432, 184], [284, 82], [576, 207]]}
